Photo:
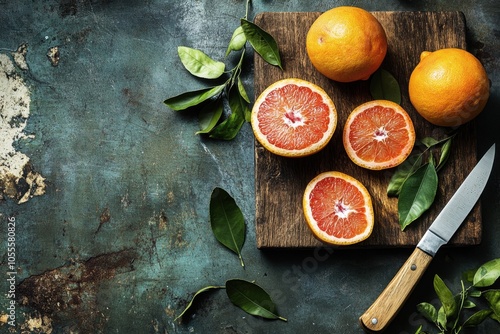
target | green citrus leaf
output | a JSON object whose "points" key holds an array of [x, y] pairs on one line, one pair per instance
{"points": [[469, 304], [445, 153], [420, 330], [493, 298], [477, 318], [207, 288], [487, 274], [402, 173], [417, 194], [210, 115], [229, 128], [237, 103], [199, 64], [242, 90], [428, 311], [441, 319], [243, 94], [429, 142], [252, 299], [446, 298], [237, 42], [227, 221], [384, 86], [193, 98], [262, 42], [475, 293]]}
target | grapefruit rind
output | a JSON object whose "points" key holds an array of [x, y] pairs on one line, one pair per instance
{"points": [[346, 44], [448, 87], [298, 152], [366, 210], [397, 159]]}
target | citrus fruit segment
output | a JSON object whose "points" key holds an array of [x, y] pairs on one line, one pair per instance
{"points": [[346, 44], [449, 87], [338, 209], [378, 135], [293, 118]]}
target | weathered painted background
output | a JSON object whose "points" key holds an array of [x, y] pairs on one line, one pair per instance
{"points": [[109, 189]]}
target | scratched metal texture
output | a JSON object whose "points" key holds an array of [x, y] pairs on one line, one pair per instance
{"points": [[121, 238]]}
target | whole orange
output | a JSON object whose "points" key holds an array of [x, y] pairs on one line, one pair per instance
{"points": [[449, 87], [346, 44]]}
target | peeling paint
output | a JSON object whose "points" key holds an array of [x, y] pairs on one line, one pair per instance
{"points": [[37, 324], [69, 293], [32, 324], [20, 56], [18, 180], [53, 55], [163, 221], [104, 218]]}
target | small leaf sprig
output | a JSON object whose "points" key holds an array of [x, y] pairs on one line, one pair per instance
{"points": [[248, 296], [210, 101], [228, 226], [415, 181], [450, 317]]}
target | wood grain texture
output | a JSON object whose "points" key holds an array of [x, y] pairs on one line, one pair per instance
{"points": [[380, 314], [280, 182]]}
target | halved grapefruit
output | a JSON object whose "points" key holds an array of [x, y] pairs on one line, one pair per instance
{"points": [[338, 209], [293, 118], [378, 135]]}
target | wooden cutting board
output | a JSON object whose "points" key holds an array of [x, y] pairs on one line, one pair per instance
{"points": [[280, 182]]}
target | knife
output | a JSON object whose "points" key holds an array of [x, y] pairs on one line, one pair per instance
{"points": [[387, 305]]}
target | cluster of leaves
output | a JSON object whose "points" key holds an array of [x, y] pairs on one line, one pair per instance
{"points": [[449, 318], [210, 101], [228, 226], [415, 181]]}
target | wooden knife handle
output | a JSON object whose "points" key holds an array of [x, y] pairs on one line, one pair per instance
{"points": [[384, 309]]}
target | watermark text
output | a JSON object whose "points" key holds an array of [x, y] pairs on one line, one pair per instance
{"points": [[11, 272]]}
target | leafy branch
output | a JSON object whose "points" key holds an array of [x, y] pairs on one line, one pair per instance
{"points": [[415, 181], [450, 317], [210, 101]]}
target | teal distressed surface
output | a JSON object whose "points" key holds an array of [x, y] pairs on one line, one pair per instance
{"points": [[121, 239]]}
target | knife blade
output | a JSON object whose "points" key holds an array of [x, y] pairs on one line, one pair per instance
{"points": [[378, 316]]}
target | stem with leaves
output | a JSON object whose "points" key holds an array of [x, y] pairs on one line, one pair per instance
{"points": [[450, 317], [210, 101], [415, 181]]}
